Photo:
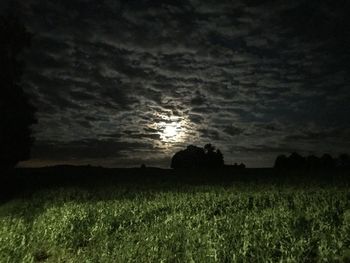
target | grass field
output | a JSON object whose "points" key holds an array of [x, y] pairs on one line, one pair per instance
{"points": [[241, 222]]}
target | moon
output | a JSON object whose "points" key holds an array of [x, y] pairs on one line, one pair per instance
{"points": [[171, 132]]}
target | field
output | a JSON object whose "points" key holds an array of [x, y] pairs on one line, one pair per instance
{"points": [[235, 222]]}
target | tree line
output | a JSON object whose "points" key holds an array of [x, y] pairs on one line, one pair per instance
{"points": [[312, 163]]}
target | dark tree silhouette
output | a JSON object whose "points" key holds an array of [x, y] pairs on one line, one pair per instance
{"points": [[294, 162], [241, 166], [16, 112], [213, 158], [194, 157], [219, 159], [327, 162], [191, 157], [281, 162], [313, 163], [343, 161]]}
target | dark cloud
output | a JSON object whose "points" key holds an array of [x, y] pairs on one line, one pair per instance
{"points": [[195, 118], [232, 130], [254, 76], [210, 134], [198, 99]]}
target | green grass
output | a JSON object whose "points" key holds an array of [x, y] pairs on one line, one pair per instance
{"points": [[234, 223]]}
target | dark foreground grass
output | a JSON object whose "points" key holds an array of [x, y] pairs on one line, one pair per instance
{"points": [[238, 222]]}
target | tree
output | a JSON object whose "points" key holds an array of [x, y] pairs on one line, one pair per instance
{"points": [[213, 158], [281, 162], [241, 166], [194, 157], [17, 114], [293, 162], [313, 163], [296, 161], [344, 161], [219, 159], [310, 163], [327, 162]]}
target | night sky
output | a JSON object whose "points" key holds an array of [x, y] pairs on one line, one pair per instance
{"points": [[120, 83]]}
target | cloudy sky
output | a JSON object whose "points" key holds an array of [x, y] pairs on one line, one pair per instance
{"points": [[125, 82]]}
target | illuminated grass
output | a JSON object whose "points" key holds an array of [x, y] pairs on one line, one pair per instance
{"points": [[242, 223]]}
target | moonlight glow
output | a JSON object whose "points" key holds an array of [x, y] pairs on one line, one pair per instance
{"points": [[171, 132]]}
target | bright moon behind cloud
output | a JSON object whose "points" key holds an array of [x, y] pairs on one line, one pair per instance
{"points": [[170, 132]]}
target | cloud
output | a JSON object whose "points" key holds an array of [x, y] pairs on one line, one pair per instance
{"points": [[224, 69], [232, 130], [210, 134], [198, 99]]}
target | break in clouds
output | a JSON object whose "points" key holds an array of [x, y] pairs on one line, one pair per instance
{"points": [[113, 79]]}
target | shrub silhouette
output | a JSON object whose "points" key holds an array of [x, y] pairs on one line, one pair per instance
{"points": [[16, 113], [194, 157]]}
